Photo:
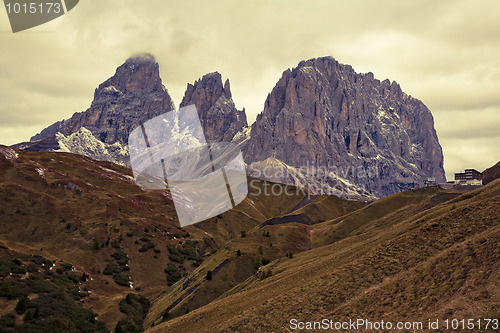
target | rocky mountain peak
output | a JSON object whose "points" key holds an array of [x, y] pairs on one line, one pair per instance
{"points": [[227, 89], [205, 92], [134, 94], [219, 117], [324, 114], [140, 72]]}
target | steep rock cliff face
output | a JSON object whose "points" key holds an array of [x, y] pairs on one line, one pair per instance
{"points": [[219, 117], [323, 114], [133, 95]]}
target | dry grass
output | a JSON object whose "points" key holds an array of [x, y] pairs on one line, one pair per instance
{"points": [[59, 212], [438, 262]]}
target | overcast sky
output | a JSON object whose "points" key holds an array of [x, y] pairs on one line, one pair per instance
{"points": [[445, 53]]}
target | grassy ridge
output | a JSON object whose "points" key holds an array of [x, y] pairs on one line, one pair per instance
{"points": [[69, 208], [407, 259]]}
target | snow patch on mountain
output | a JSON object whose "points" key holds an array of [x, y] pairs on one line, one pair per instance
{"points": [[309, 178], [83, 142], [242, 136]]}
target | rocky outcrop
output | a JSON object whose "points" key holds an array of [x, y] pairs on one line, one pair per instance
{"points": [[322, 114], [133, 95], [220, 119]]}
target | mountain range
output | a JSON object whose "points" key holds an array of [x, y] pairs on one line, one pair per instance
{"points": [[323, 128]]}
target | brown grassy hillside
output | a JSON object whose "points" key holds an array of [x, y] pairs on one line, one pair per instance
{"points": [[411, 256], [69, 208], [88, 214], [491, 174], [117, 249], [247, 254]]}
